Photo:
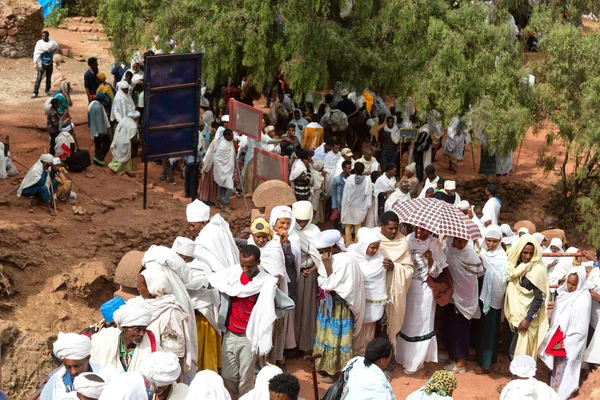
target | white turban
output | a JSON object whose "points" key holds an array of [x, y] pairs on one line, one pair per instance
{"points": [[493, 232], [449, 185], [207, 385], [125, 386], [327, 238], [197, 211], [87, 387], [132, 315], [184, 246], [47, 158], [303, 210], [463, 205], [162, 368], [225, 118], [157, 281], [72, 346], [133, 114], [523, 366], [123, 85]]}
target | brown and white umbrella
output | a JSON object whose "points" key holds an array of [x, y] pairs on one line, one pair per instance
{"points": [[436, 216]]}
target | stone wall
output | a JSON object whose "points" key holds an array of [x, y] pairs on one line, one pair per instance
{"points": [[21, 25]]}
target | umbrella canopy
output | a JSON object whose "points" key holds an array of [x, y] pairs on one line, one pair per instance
{"points": [[438, 217]]}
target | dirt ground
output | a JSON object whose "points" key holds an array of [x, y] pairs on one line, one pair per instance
{"points": [[57, 270]]}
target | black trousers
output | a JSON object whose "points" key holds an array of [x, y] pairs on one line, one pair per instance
{"points": [[53, 137], [418, 158], [191, 181], [102, 146], [46, 69]]}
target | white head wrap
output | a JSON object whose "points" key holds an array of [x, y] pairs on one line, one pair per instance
{"points": [[47, 158], [126, 386], [184, 246], [328, 238], [449, 185], [556, 242], [162, 368], [524, 231], [463, 205], [157, 282], [539, 237], [523, 366], [506, 230], [261, 386], [493, 232], [123, 85], [133, 114], [303, 210], [197, 211], [56, 161], [207, 385], [282, 212], [72, 346], [132, 315], [225, 118], [88, 387]]}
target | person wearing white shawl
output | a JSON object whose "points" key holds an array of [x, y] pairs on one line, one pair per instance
{"points": [[43, 63], [385, 185], [7, 168], [508, 236], [356, 201], [127, 346], [592, 354], [431, 181], [300, 178], [261, 386], [64, 142], [305, 234], [416, 342], [73, 351], [366, 379], [207, 385], [492, 206], [370, 261], [122, 104], [341, 306], [130, 385], [525, 386], [37, 181], [493, 289], [164, 369], [331, 161], [247, 319], [122, 144], [223, 166], [388, 139], [564, 345], [465, 268]]}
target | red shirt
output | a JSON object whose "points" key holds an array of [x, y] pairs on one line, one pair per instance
{"points": [[241, 308]]}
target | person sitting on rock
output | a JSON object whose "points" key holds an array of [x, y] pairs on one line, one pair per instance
{"points": [[36, 183], [127, 346]]}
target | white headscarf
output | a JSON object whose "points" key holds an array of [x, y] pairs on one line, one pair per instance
{"points": [[523, 366], [88, 387], [72, 346], [129, 315], [494, 281], [126, 386], [207, 385], [261, 386], [464, 266], [184, 246], [197, 211], [329, 238], [162, 368], [558, 243]]}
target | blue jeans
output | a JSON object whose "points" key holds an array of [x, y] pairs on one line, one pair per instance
{"points": [[47, 69], [224, 193]]}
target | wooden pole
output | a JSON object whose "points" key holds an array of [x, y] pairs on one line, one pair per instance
{"points": [[312, 359], [473, 157], [519, 154]]}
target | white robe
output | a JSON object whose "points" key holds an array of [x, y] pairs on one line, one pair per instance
{"points": [[465, 267], [121, 143], [63, 138], [43, 47], [384, 184], [356, 200], [398, 195], [331, 162], [429, 184], [122, 105], [105, 350], [527, 389], [55, 388], [367, 383], [491, 210], [224, 164]]}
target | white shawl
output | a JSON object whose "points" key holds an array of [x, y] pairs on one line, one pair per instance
{"points": [[429, 184], [346, 280], [63, 138], [3, 163], [367, 382], [215, 245], [55, 388], [394, 132], [465, 267], [331, 162], [206, 301], [43, 47], [33, 175], [122, 104], [293, 236], [224, 164], [419, 246], [306, 239], [272, 260], [262, 318], [398, 195], [572, 314], [356, 200], [121, 144], [384, 184], [494, 281], [298, 168], [528, 389], [105, 350], [209, 157], [491, 210]]}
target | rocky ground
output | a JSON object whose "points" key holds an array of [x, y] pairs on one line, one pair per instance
{"points": [[56, 271]]}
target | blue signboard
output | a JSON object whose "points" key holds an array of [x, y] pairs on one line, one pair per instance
{"points": [[171, 105]]}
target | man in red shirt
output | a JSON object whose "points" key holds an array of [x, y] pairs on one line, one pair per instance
{"points": [[250, 304]]}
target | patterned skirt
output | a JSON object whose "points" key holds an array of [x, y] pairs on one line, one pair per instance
{"points": [[333, 340]]}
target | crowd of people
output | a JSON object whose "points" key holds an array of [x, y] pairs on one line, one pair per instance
{"points": [[368, 295]]}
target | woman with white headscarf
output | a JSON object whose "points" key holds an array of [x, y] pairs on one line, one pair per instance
{"points": [[124, 144], [564, 345], [465, 268], [370, 260], [493, 289], [122, 104], [261, 385], [207, 385], [305, 233], [556, 246], [508, 236], [128, 386]]}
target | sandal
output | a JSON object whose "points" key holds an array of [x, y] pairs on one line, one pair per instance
{"points": [[481, 371]]}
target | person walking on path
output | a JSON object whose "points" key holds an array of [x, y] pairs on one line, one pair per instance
{"points": [[42, 62]]}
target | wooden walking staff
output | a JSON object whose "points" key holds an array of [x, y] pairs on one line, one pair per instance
{"points": [[519, 154], [312, 360], [473, 156]]}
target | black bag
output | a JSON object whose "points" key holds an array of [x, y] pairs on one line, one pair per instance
{"points": [[78, 161], [336, 391]]}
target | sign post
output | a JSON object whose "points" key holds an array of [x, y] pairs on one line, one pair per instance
{"points": [[171, 108]]}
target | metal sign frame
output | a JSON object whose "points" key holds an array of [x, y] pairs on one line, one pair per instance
{"points": [[234, 125]]}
